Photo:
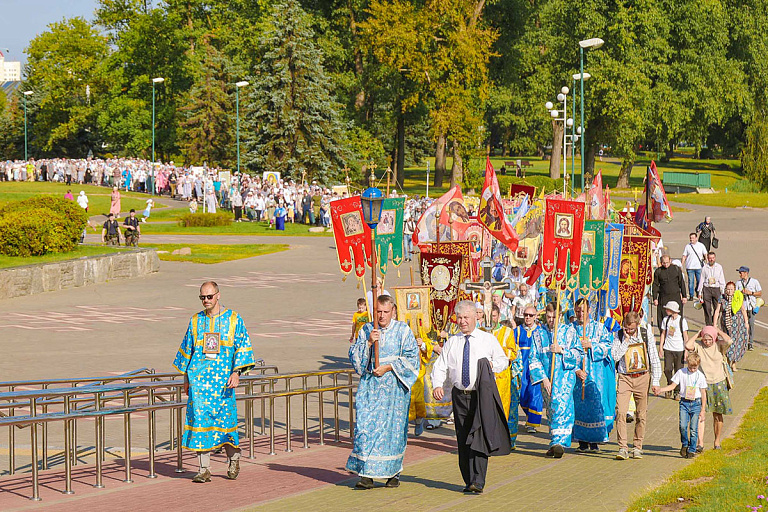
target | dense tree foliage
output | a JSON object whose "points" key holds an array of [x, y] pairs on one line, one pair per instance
{"points": [[340, 83]]}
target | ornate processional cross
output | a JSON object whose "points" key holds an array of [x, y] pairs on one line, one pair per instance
{"points": [[487, 286]]}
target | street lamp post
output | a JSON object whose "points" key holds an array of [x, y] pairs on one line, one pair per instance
{"points": [[562, 97], [157, 80], [238, 85], [26, 155], [593, 43]]}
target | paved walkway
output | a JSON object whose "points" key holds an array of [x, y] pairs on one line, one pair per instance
{"points": [[298, 309]]}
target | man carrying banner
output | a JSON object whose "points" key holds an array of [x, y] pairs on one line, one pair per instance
{"points": [[595, 405], [530, 394], [558, 392]]}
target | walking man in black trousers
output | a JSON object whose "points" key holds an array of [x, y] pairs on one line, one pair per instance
{"points": [[471, 390]]}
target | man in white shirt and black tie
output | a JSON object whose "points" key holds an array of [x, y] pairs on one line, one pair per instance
{"points": [[457, 367]]}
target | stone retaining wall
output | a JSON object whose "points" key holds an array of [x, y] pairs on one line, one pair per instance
{"points": [[86, 271]]}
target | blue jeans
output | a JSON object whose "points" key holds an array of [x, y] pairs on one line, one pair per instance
{"points": [[694, 276], [689, 416]]}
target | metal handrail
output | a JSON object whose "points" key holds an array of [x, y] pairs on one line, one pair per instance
{"points": [[147, 392]]}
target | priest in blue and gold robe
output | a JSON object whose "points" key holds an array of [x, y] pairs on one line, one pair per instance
{"points": [[213, 354], [597, 376], [383, 397]]}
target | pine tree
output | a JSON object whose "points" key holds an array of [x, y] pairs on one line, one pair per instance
{"points": [[208, 126], [293, 124]]}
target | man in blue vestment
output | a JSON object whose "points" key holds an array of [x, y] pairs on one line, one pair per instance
{"points": [[213, 354], [383, 396], [597, 376], [558, 392], [530, 394]]}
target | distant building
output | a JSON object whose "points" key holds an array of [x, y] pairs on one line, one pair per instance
{"points": [[9, 71]]}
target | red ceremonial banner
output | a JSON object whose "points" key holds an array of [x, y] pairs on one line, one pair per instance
{"points": [[352, 235], [561, 251], [482, 243], [442, 273], [491, 211], [465, 250], [635, 272], [515, 188]]}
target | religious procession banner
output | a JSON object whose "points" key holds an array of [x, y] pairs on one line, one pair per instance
{"points": [[614, 236], [491, 212], [441, 273], [413, 308], [591, 273], [635, 272], [465, 250], [529, 230], [352, 235], [389, 233], [482, 243], [561, 251], [448, 214]]}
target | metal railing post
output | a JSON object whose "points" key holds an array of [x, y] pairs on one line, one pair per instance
{"points": [[127, 432], [67, 450], [151, 420], [99, 444], [336, 407], [305, 412], [271, 418], [33, 439], [179, 459]]}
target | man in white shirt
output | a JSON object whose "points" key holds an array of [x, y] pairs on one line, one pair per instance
{"points": [[694, 257], [457, 368], [751, 289], [711, 287]]}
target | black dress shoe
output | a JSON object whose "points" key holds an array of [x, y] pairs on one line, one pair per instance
{"points": [[364, 483], [393, 482]]}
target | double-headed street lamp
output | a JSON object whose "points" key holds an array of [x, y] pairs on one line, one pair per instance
{"points": [[157, 80], [238, 85], [26, 93], [587, 44], [562, 97]]}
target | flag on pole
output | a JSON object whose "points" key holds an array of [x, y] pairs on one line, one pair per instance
{"points": [[491, 212], [449, 213], [595, 199]]}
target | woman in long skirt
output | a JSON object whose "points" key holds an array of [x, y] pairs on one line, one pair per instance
{"points": [[732, 316]]}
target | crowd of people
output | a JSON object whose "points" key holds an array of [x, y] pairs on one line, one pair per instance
{"points": [[589, 373]]}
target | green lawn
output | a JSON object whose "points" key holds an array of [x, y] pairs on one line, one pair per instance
{"points": [[730, 479], [236, 228], [79, 252], [98, 197], [207, 253]]}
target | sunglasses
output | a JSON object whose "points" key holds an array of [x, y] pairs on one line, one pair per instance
{"points": [[209, 297]]}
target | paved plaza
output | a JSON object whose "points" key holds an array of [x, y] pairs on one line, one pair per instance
{"points": [[298, 311]]}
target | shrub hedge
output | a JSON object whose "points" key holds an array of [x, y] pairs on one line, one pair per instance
{"points": [[205, 220], [40, 225]]}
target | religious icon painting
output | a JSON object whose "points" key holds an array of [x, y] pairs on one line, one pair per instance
{"points": [[352, 223], [564, 223], [636, 360], [628, 268], [413, 307], [386, 224], [588, 243], [211, 343]]}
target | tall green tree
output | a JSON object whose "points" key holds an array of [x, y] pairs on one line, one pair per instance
{"points": [[208, 126], [293, 123]]}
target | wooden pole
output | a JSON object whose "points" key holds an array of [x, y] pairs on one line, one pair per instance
{"points": [[374, 295]]}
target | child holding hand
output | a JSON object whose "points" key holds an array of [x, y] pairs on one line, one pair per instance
{"points": [[693, 402]]}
